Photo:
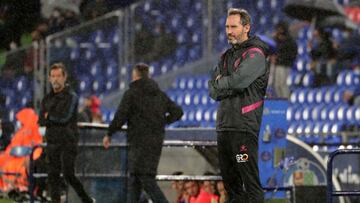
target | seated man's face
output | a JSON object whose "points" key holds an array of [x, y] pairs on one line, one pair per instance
{"points": [[192, 188]]}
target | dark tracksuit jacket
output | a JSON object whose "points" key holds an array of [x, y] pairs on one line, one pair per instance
{"points": [[62, 139], [146, 110], [241, 89]]}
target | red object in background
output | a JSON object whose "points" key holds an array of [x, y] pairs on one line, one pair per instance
{"points": [[95, 104], [353, 13]]}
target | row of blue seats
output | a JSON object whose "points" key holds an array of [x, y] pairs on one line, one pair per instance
{"points": [[19, 84], [190, 82], [323, 112], [191, 98], [322, 95], [193, 117], [16, 100], [315, 128]]}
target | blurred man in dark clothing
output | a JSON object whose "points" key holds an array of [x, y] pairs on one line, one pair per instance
{"points": [[323, 54], [283, 59], [59, 115], [146, 110]]}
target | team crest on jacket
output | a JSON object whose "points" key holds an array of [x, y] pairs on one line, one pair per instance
{"points": [[243, 148]]}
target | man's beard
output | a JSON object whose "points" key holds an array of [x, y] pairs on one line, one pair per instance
{"points": [[56, 85], [233, 40]]}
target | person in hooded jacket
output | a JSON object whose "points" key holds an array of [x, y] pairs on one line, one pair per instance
{"points": [[239, 82], [26, 137], [146, 110]]}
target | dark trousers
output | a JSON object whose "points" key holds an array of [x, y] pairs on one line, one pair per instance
{"points": [[143, 160], [62, 158], [238, 160], [148, 183]]}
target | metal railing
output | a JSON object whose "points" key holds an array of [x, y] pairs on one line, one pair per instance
{"points": [[330, 192], [167, 143]]}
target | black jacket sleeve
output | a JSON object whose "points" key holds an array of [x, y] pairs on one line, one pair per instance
{"points": [[252, 67], [174, 112], [42, 119], [121, 115]]}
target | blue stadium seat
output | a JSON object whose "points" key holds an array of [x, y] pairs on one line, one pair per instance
{"points": [[324, 114], [329, 95], [338, 95], [298, 114], [317, 128], [309, 127], [85, 84], [12, 115], [89, 52], [292, 127], [302, 95], [98, 85], [194, 53], [166, 66], [304, 33], [181, 55], [190, 82], [308, 79], [22, 84], [316, 112], [180, 83], [294, 79], [196, 37], [320, 95], [97, 36], [111, 84], [333, 113], [113, 35], [112, 69], [294, 96], [187, 98], [310, 97], [340, 79], [205, 100], [341, 112], [352, 79], [306, 114], [303, 52], [290, 112], [25, 98], [74, 53], [302, 64], [352, 115], [182, 35], [175, 23], [10, 97], [199, 115], [95, 69]]}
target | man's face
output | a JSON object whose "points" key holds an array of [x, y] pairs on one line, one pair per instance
{"points": [[134, 75], [57, 79], [235, 31], [192, 188]]}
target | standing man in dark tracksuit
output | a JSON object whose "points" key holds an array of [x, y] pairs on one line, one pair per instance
{"points": [[59, 115], [239, 82], [146, 110]]}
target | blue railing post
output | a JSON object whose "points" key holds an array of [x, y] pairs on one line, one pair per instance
{"points": [[330, 192]]}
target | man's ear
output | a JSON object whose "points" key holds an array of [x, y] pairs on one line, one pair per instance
{"points": [[247, 28]]}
